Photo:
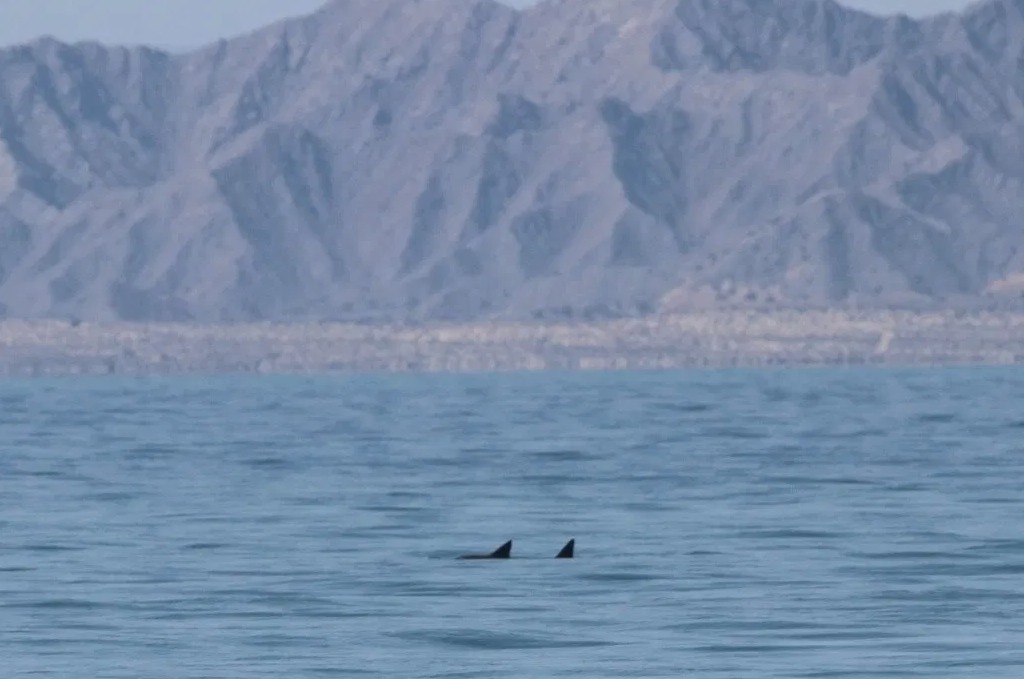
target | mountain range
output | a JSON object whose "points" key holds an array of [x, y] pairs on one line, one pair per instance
{"points": [[424, 160]]}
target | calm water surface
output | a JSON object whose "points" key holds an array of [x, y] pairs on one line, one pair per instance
{"points": [[729, 524]]}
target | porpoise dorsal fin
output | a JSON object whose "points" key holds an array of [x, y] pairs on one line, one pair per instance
{"points": [[568, 550], [503, 552]]}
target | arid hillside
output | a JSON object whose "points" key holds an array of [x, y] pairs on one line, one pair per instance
{"points": [[423, 160]]}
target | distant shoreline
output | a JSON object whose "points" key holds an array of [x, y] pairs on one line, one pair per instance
{"points": [[701, 339]]}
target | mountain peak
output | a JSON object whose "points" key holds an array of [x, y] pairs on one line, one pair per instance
{"points": [[804, 35]]}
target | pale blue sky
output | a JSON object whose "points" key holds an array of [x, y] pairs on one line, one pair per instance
{"points": [[190, 23]]}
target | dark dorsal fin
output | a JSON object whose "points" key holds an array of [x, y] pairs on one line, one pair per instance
{"points": [[503, 552], [568, 550]]}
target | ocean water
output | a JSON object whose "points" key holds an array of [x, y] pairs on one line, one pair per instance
{"points": [[818, 523]]}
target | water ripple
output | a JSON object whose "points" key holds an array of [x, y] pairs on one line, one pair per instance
{"points": [[729, 524]]}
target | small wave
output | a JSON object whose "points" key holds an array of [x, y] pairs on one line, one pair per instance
{"points": [[203, 546], [565, 456], [398, 509], [736, 433], [151, 452], [685, 407], [113, 496], [911, 555], [936, 417], [818, 480], [754, 648], [495, 641], [620, 577], [63, 604], [432, 590], [1011, 545], [44, 473], [788, 534], [546, 479], [52, 548], [1001, 569], [268, 463]]}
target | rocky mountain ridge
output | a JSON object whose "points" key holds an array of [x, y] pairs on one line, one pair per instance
{"points": [[457, 159]]}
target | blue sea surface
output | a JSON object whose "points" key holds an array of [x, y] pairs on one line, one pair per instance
{"points": [[804, 523]]}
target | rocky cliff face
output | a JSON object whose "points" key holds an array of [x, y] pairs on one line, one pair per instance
{"points": [[443, 159]]}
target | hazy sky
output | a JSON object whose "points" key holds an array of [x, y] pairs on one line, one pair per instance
{"points": [[190, 23]]}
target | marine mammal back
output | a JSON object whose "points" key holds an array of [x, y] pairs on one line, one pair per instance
{"points": [[503, 552]]}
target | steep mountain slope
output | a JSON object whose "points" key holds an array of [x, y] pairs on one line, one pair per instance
{"points": [[426, 159]]}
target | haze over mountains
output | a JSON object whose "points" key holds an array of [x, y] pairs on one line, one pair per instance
{"points": [[459, 159]]}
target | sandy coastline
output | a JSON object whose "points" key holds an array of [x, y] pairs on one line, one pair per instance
{"points": [[713, 339]]}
